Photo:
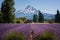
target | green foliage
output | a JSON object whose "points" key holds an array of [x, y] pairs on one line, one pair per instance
{"points": [[41, 18], [15, 36], [50, 21], [57, 17], [35, 18], [17, 21], [7, 8], [21, 20], [1, 17], [46, 36]]}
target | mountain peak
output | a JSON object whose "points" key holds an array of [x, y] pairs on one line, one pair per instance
{"points": [[28, 6], [28, 9]]}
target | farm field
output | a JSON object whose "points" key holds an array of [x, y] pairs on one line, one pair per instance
{"points": [[26, 28]]}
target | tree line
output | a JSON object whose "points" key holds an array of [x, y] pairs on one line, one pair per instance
{"points": [[40, 17], [7, 13]]}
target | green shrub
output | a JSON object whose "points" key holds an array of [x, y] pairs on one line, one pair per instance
{"points": [[50, 21], [46, 36], [15, 36]]}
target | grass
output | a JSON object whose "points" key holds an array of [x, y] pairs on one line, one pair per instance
{"points": [[46, 36], [15, 36]]}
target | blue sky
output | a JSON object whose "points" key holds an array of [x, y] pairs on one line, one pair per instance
{"points": [[47, 6]]}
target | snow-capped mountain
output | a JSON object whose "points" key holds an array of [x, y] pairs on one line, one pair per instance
{"points": [[29, 11]]}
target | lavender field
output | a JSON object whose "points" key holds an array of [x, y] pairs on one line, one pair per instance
{"points": [[25, 28]]}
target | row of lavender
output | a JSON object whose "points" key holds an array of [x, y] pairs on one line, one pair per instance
{"points": [[38, 28], [25, 28], [7, 28]]}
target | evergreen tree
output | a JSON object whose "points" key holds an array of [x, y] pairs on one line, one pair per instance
{"points": [[35, 18], [1, 19], [57, 17], [7, 8], [41, 17]]}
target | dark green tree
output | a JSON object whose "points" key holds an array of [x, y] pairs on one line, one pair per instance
{"points": [[7, 8], [57, 17], [1, 17], [35, 18], [41, 17]]}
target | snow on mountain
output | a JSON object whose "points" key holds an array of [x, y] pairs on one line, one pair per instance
{"points": [[29, 11]]}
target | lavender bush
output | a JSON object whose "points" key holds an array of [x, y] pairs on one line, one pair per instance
{"points": [[46, 36], [15, 36]]}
